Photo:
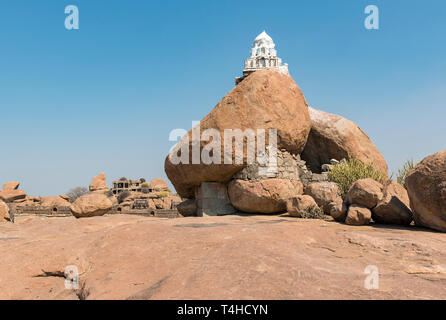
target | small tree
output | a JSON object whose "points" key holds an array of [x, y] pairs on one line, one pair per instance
{"points": [[124, 194], [77, 192]]}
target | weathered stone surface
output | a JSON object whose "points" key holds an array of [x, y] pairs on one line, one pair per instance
{"points": [[334, 137], [91, 204], [4, 212], [12, 195], [54, 202], [65, 197], [266, 100], [394, 207], [323, 193], [98, 183], [298, 205], [212, 200], [13, 185], [358, 215], [188, 208], [426, 187], [263, 196], [338, 209], [158, 184], [223, 258], [365, 192]]}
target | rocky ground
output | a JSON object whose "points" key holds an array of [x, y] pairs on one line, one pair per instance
{"points": [[231, 257]]}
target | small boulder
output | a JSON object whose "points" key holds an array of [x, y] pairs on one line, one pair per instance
{"points": [[299, 205], [394, 207], [98, 183], [188, 208], [263, 196], [338, 209], [158, 185], [358, 215], [91, 204], [4, 212], [323, 193], [13, 185], [365, 192], [426, 187], [65, 197]]}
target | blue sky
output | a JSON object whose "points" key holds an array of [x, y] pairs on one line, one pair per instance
{"points": [[105, 97]]}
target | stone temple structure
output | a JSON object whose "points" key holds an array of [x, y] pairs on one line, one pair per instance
{"points": [[263, 55]]}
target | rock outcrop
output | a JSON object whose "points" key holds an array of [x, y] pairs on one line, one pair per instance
{"points": [[394, 207], [12, 195], [266, 100], [334, 137], [323, 193], [263, 196], [365, 192], [426, 187], [12, 185], [98, 183], [338, 209], [91, 204]]}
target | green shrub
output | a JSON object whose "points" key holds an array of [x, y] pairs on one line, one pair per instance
{"points": [[346, 173], [402, 173], [163, 194], [145, 185]]}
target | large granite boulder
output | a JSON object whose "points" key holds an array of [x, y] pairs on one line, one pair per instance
{"points": [[187, 208], [426, 187], [394, 207], [91, 204], [158, 184], [12, 195], [98, 183], [4, 212], [267, 99], [54, 202], [334, 137], [263, 196], [365, 192], [323, 193], [12, 185], [338, 209]]}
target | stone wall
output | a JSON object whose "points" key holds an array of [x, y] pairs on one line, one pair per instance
{"points": [[36, 210], [212, 200]]}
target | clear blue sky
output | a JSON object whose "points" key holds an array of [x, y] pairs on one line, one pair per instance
{"points": [[105, 97]]}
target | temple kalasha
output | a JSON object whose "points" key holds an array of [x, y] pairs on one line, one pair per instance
{"points": [[263, 55]]}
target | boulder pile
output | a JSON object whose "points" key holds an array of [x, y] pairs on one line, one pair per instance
{"points": [[308, 143]]}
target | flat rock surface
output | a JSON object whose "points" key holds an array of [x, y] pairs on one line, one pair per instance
{"points": [[231, 257]]}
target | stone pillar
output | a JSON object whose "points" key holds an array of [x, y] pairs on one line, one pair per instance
{"points": [[212, 200]]}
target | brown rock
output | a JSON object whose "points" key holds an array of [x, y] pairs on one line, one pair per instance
{"points": [[298, 205], [98, 183], [338, 209], [263, 196], [394, 207], [188, 208], [13, 185], [266, 100], [426, 187], [12, 195], [91, 204], [4, 212], [158, 185], [54, 202], [358, 215], [323, 193], [365, 192], [334, 137], [65, 197]]}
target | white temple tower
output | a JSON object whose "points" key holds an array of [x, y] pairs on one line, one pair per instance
{"points": [[263, 55]]}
